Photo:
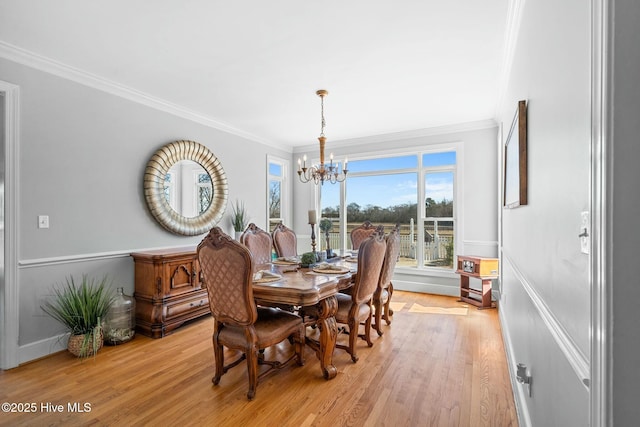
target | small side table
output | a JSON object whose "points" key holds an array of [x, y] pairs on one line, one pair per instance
{"points": [[484, 269]]}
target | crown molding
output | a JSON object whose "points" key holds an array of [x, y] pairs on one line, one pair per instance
{"points": [[48, 65], [512, 29], [411, 134]]}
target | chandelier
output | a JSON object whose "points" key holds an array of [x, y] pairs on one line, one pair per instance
{"points": [[322, 172]]}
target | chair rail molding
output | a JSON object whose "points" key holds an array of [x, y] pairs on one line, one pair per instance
{"points": [[98, 256], [577, 360]]}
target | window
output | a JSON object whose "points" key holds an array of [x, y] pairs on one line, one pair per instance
{"points": [[276, 191], [330, 208], [169, 188], [204, 191], [188, 188], [439, 224], [387, 199], [415, 191]]}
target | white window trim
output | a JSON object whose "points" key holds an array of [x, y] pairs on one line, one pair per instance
{"points": [[285, 192]]}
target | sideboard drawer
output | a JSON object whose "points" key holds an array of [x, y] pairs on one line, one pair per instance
{"points": [[184, 306]]}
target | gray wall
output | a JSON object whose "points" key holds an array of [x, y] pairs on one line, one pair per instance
{"points": [[82, 157], [545, 298]]}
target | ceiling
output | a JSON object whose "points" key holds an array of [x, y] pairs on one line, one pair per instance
{"points": [[252, 67]]}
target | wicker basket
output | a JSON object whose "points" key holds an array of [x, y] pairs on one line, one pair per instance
{"points": [[77, 348]]}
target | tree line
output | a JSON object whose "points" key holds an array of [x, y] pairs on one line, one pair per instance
{"points": [[398, 214]]}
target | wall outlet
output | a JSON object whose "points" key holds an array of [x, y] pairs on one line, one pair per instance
{"points": [[43, 221]]}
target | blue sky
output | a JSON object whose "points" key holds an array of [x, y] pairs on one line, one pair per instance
{"points": [[393, 189]]}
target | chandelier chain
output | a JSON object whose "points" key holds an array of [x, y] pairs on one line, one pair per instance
{"points": [[322, 116], [322, 172]]}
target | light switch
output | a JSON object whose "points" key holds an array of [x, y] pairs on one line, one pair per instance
{"points": [[43, 221], [584, 232]]}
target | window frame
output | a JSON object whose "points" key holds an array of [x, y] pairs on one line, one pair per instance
{"points": [[285, 198], [421, 172], [422, 198], [198, 185]]}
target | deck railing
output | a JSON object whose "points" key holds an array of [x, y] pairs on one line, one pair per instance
{"points": [[436, 249]]}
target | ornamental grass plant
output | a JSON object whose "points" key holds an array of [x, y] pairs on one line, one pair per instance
{"points": [[81, 307], [239, 216]]}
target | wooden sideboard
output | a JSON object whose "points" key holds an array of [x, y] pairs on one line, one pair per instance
{"points": [[168, 290]]}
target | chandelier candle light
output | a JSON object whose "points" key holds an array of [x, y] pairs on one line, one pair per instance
{"points": [[321, 172]]}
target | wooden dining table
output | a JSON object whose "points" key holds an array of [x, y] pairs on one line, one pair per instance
{"points": [[315, 293]]}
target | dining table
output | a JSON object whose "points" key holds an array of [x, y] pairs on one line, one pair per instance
{"points": [[312, 290]]}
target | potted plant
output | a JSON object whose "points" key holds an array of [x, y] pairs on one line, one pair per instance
{"points": [[239, 218], [307, 259], [81, 307], [325, 226]]}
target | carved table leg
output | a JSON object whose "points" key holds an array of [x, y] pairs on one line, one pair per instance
{"points": [[326, 322]]}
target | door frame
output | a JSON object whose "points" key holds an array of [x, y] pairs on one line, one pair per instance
{"points": [[9, 297], [600, 391]]}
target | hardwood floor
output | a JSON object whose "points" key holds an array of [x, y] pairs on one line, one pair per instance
{"points": [[440, 363]]}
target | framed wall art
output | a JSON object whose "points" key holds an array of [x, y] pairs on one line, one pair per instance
{"points": [[515, 160]]}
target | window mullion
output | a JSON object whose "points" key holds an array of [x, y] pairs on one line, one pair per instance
{"points": [[420, 216]]}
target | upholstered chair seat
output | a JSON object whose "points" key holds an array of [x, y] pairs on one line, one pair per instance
{"points": [[269, 330], [344, 308]]}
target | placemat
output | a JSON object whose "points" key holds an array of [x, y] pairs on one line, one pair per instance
{"points": [[283, 262], [332, 270], [265, 277]]}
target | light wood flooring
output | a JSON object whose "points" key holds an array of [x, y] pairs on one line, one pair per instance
{"points": [[440, 363]]}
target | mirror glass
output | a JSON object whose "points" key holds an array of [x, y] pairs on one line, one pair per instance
{"points": [[188, 189], [185, 188]]}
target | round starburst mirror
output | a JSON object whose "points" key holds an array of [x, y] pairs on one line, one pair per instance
{"points": [[185, 188]]}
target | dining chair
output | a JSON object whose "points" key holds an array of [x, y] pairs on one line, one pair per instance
{"points": [[355, 308], [239, 324], [360, 233], [384, 290], [259, 243], [285, 241]]}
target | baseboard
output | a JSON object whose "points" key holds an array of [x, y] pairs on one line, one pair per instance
{"points": [[427, 288], [42, 348]]}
